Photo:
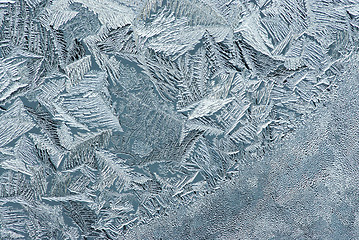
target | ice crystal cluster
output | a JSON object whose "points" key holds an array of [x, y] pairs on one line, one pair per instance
{"points": [[179, 119]]}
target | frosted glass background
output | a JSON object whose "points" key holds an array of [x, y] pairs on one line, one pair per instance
{"points": [[179, 119]]}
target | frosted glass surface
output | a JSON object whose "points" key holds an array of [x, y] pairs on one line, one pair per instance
{"points": [[179, 119]]}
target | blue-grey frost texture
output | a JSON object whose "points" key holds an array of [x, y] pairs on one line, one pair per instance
{"points": [[179, 119]]}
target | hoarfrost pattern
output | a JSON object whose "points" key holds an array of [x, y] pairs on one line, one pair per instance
{"points": [[115, 114]]}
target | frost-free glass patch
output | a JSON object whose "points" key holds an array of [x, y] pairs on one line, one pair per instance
{"points": [[179, 119]]}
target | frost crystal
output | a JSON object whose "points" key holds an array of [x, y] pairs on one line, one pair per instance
{"points": [[179, 119]]}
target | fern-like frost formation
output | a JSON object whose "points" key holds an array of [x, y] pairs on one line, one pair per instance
{"points": [[179, 119]]}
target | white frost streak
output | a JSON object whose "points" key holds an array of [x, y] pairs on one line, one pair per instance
{"points": [[209, 106]]}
